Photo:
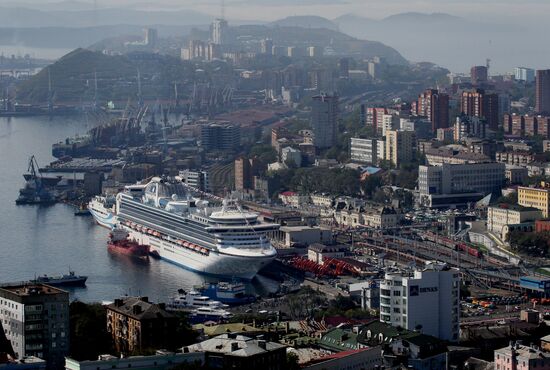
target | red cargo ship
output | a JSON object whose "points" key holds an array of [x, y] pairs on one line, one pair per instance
{"points": [[119, 243]]}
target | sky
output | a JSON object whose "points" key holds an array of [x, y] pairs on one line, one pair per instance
{"points": [[509, 32], [268, 10]]}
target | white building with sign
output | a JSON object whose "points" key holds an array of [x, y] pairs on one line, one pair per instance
{"points": [[426, 300]]}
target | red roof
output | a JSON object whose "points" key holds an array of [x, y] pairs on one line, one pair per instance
{"points": [[288, 193], [334, 356]]}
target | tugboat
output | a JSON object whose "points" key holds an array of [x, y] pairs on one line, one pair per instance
{"points": [[228, 293], [64, 280], [120, 243], [82, 210], [34, 191]]}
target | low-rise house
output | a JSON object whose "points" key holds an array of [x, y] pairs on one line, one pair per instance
{"points": [[516, 157], [350, 216], [503, 218], [370, 215], [300, 236], [382, 217], [521, 357], [364, 358], [136, 324], [322, 200], [290, 198], [7, 362], [318, 252], [419, 352], [537, 169], [342, 338], [161, 360], [232, 351], [516, 174]]}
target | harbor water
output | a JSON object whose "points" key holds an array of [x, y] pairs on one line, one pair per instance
{"points": [[36, 240]]}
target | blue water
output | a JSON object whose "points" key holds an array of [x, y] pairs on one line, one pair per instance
{"points": [[49, 240]]}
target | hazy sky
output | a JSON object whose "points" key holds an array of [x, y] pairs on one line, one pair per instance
{"points": [[273, 9]]}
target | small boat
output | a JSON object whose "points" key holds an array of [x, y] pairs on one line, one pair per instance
{"points": [[228, 293], [69, 279], [82, 211], [119, 242], [204, 314], [188, 301]]}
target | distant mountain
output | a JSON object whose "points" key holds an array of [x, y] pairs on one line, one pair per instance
{"points": [[309, 21], [422, 17], [322, 37], [70, 38], [454, 42], [21, 17], [70, 76], [49, 6]]}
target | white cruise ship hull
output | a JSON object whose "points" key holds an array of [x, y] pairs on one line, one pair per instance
{"points": [[108, 221], [215, 263]]}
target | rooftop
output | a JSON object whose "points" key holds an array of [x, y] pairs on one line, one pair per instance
{"points": [[524, 352], [235, 345], [462, 155], [514, 207], [139, 308], [27, 290]]}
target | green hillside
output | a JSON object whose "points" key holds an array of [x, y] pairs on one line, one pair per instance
{"points": [[73, 78]]}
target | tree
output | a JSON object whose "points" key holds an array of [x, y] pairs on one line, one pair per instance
{"points": [[511, 198], [88, 331], [370, 185], [292, 362], [185, 335]]}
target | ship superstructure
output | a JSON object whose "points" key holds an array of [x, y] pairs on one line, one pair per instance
{"points": [[223, 241]]}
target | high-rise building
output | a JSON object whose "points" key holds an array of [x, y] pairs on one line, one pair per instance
{"points": [[478, 74], [267, 46], [434, 105], [343, 65], [196, 179], [478, 103], [466, 126], [219, 30], [243, 174], [524, 74], [35, 318], [543, 91], [389, 122], [363, 150], [422, 127], [426, 300], [324, 120], [220, 136], [373, 118], [400, 146], [151, 37], [314, 51]]}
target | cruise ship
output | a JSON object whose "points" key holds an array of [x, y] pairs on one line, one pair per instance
{"points": [[222, 241], [102, 210]]}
